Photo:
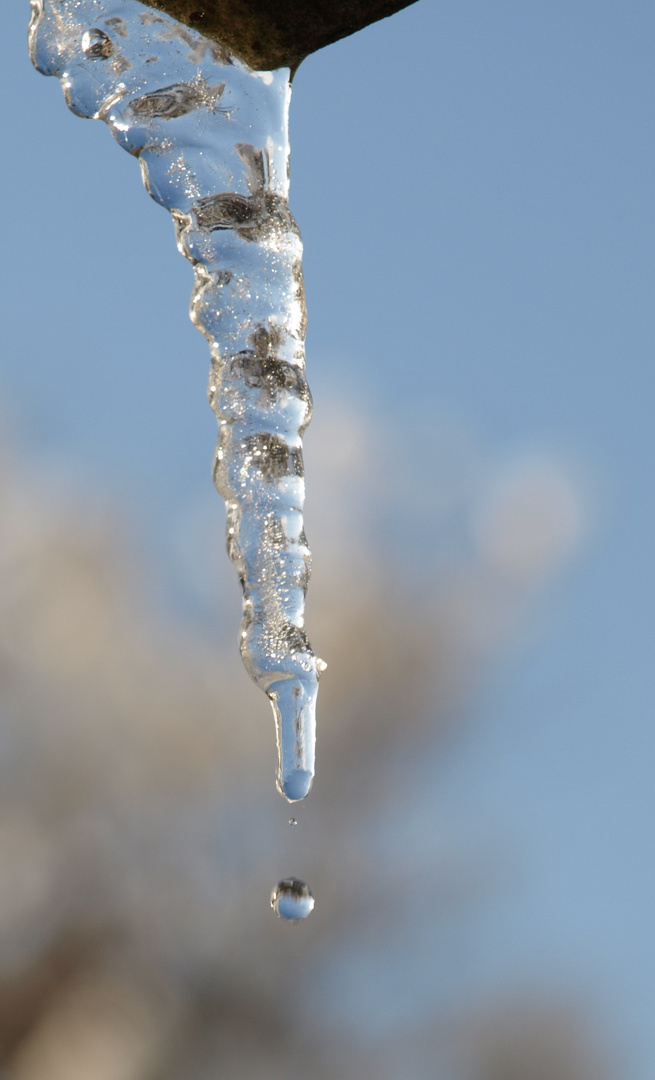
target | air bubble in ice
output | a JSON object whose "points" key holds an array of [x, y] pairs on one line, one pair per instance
{"points": [[292, 899], [95, 43]]}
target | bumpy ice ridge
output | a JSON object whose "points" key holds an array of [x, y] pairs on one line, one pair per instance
{"points": [[211, 137]]}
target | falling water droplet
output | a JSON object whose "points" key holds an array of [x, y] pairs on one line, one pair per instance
{"points": [[292, 899], [95, 43], [211, 136]]}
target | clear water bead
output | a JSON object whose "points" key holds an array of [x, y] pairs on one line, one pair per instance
{"points": [[292, 899], [95, 43]]}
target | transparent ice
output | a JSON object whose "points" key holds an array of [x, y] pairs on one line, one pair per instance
{"points": [[211, 137], [292, 899]]}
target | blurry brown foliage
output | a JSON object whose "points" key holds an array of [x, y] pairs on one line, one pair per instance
{"points": [[140, 833]]}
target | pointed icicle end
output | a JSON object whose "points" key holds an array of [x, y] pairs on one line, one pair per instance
{"points": [[294, 708], [296, 785]]}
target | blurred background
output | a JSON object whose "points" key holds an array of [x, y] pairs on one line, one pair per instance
{"points": [[474, 187]]}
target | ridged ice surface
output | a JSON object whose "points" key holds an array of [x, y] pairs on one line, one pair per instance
{"points": [[211, 136]]}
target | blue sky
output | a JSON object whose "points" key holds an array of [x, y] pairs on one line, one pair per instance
{"points": [[474, 188]]}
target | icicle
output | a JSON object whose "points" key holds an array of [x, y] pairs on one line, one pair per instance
{"points": [[211, 136]]}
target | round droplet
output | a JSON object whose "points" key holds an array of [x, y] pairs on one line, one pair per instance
{"points": [[96, 44], [292, 899]]}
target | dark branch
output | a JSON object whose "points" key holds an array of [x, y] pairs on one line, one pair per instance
{"points": [[270, 34]]}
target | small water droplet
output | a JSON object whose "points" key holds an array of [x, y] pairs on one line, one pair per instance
{"points": [[292, 899], [292, 821], [96, 43]]}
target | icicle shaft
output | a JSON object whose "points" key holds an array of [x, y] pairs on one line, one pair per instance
{"points": [[211, 136]]}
